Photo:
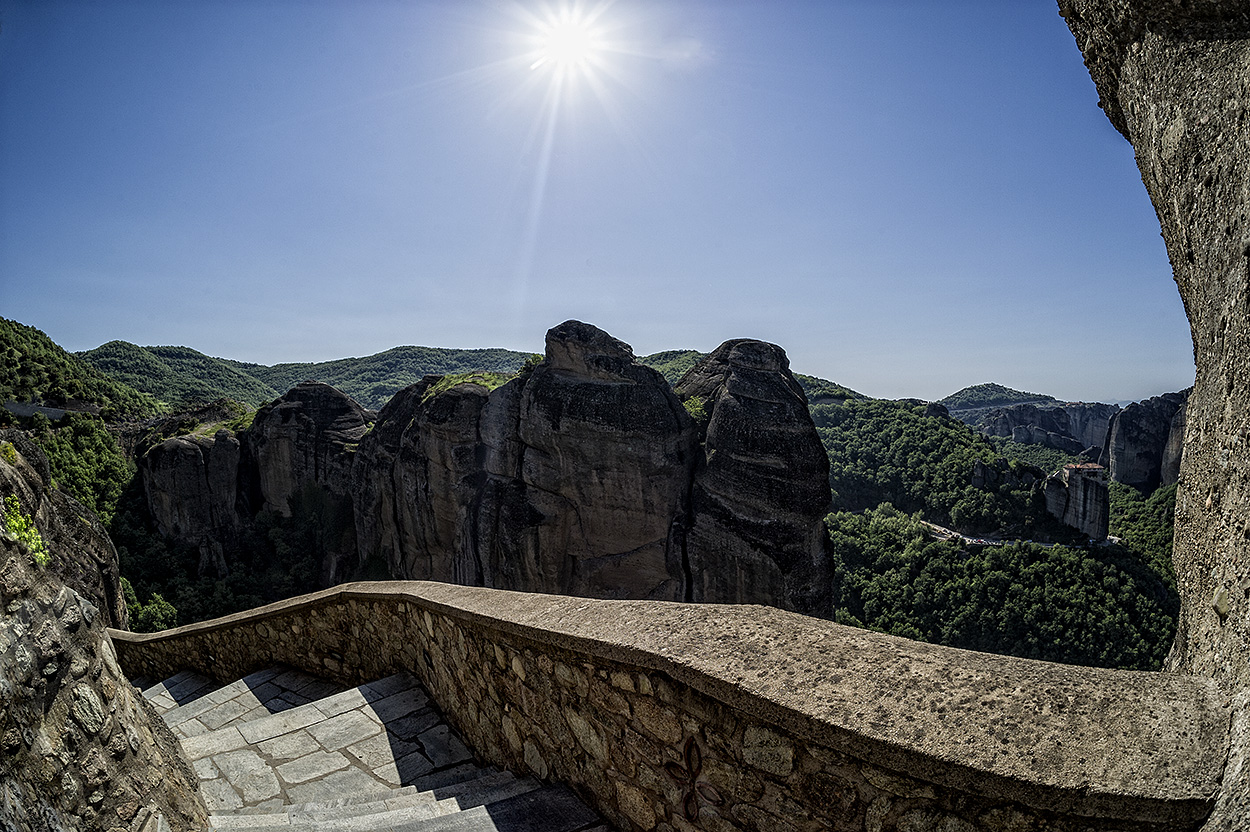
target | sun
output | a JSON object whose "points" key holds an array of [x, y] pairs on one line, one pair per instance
{"points": [[567, 40]]}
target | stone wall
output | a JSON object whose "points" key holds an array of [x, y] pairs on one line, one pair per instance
{"points": [[678, 716], [80, 749]]}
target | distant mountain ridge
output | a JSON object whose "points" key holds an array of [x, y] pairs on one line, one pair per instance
{"points": [[181, 375]]}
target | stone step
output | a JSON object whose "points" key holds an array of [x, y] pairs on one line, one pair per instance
{"points": [[179, 689], [402, 808], [482, 782], [257, 695], [537, 809], [446, 783], [367, 739]]}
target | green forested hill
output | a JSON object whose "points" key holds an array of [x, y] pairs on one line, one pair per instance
{"points": [[178, 375], [372, 380], [34, 369], [991, 395]]}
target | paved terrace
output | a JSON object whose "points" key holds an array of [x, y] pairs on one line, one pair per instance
{"points": [[745, 716]]}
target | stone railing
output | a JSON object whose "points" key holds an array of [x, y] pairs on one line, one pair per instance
{"points": [[681, 716]]}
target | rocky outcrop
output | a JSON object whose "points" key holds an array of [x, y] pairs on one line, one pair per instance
{"points": [[1173, 451], [1139, 437], [192, 489], [587, 476], [570, 480], [79, 747], [82, 556], [1070, 427], [761, 487], [307, 436], [1077, 496]]}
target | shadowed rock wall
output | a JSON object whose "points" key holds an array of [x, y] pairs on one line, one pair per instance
{"points": [[1174, 78]]}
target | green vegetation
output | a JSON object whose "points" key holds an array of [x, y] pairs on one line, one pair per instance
{"points": [[372, 380], [20, 525], [1100, 607], [819, 390], [695, 407], [488, 380], [1039, 456], [85, 460], [177, 375], [672, 364], [991, 395], [34, 369], [157, 614], [890, 452], [1145, 524]]}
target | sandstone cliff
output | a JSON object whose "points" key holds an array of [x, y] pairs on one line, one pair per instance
{"points": [[571, 479], [761, 487], [1140, 437], [587, 476]]}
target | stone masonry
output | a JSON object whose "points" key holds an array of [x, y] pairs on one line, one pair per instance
{"points": [[681, 717]]}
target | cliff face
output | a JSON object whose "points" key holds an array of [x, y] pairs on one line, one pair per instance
{"points": [[761, 488], [82, 556], [1078, 497], [1069, 427], [191, 484], [79, 748], [588, 477], [585, 476], [1172, 78], [1139, 439], [571, 480], [297, 455]]}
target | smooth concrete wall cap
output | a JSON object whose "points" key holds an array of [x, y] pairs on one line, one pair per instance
{"points": [[1070, 739]]}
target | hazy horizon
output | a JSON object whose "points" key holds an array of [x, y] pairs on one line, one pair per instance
{"points": [[910, 198]]}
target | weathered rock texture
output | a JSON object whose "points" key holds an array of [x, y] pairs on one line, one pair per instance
{"points": [[745, 718], [81, 553], [192, 489], [1174, 78], [79, 747], [580, 478], [1142, 442], [1069, 427], [761, 486], [1077, 495], [297, 455]]}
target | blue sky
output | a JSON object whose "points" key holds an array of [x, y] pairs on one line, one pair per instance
{"points": [[909, 197]]}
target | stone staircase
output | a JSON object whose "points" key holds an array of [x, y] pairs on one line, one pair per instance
{"points": [[282, 750]]}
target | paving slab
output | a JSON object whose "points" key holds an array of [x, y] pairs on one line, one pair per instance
{"points": [[317, 764], [249, 773], [344, 730]]}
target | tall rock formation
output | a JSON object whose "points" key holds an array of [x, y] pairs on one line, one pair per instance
{"points": [[587, 476], [761, 487], [1077, 496], [192, 488], [295, 459], [1172, 77], [1139, 437], [571, 479]]}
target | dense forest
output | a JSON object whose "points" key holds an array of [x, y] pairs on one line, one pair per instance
{"points": [[33, 368]]}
